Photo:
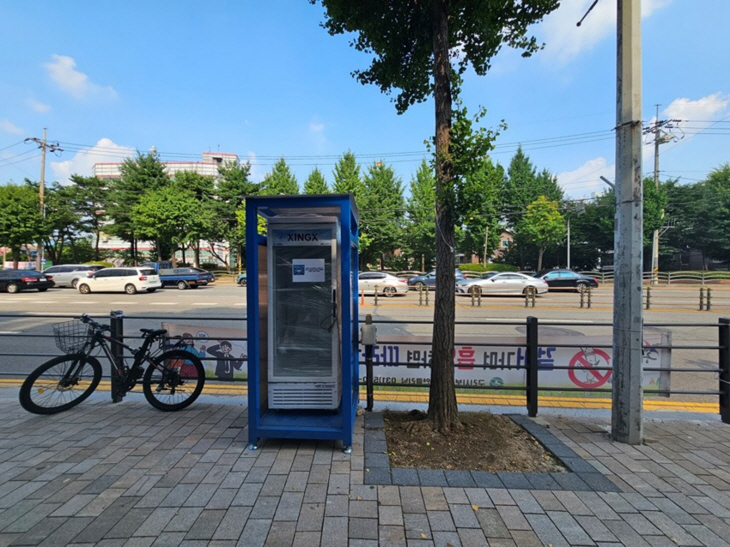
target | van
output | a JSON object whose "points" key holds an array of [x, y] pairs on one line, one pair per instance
{"points": [[68, 275]]}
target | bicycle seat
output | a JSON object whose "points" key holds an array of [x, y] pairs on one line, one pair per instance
{"points": [[153, 333]]}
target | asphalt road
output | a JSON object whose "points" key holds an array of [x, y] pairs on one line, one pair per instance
{"points": [[25, 331]]}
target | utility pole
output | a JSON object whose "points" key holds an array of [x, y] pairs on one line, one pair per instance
{"points": [[53, 147], [486, 239], [660, 137], [626, 414]]}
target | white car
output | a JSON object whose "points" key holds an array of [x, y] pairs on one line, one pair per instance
{"points": [[385, 283], [129, 280], [503, 283]]}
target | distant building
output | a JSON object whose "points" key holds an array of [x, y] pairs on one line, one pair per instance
{"points": [[208, 168]]}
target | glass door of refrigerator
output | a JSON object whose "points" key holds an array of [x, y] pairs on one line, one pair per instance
{"points": [[305, 320]]}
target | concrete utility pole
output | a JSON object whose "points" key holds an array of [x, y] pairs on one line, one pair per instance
{"points": [[53, 147], [660, 137], [626, 414]]}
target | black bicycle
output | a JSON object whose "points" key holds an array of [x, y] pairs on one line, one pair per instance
{"points": [[173, 379]]}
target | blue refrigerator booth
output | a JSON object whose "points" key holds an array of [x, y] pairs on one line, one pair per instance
{"points": [[303, 354]]}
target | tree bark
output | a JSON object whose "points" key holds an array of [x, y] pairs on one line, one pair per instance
{"points": [[442, 408]]}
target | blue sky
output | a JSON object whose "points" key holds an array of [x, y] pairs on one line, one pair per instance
{"points": [[264, 80]]}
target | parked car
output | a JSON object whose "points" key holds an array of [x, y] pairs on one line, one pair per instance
{"points": [[469, 285], [385, 283], [68, 275], [13, 281], [129, 280], [429, 279], [568, 280], [504, 283], [241, 279]]}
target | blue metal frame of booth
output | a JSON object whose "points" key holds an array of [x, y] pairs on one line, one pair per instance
{"points": [[302, 423]]}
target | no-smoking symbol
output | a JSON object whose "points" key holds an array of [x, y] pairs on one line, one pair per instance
{"points": [[585, 363]]}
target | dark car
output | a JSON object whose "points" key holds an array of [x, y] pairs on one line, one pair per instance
{"points": [[204, 276], [13, 281], [568, 280], [429, 279]]}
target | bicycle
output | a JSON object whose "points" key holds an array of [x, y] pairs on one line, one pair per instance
{"points": [[173, 379]]}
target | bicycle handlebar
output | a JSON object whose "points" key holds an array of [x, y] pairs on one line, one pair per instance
{"points": [[88, 320]]}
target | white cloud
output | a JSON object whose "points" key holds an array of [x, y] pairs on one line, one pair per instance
{"points": [[257, 172], [82, 163], [62, 70], [316, 134], [585, 180], [38, 106], [10, 127], [700, 112], [565, 41]]}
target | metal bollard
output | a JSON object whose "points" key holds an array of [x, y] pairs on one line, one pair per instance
{"points": [[708, 303], [724, 362], [368, 338], [426, 291], [116, 324], [530, 297], [702, 298], [376, 295], [582, 298], [479, 297], [420, 295], [648, 298], [590, 296]]}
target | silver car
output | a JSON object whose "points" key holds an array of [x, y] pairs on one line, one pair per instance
{"points": [[504, 283], [68, 275]]}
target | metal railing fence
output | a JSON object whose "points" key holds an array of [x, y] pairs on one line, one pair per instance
{"points": [[530, 343]]}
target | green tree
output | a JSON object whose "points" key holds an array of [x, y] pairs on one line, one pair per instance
{"points": [[228, 225], [413, 44], [139, 175], [347, 176], [543, 225], [20, 218], [63, 223], [315, 183], [171, 217], [420, 230], [482, 206], [280, 181], [88, 199], [382, 209], [523, 185]]}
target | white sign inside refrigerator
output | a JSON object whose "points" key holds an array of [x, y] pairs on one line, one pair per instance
{"points": [[307, 270]]}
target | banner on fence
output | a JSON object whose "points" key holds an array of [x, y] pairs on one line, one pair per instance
{"points": [[480, 362], [223, 351], [506, 359]]}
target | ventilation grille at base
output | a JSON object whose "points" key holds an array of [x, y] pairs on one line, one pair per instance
{"points": [[301, 395]]}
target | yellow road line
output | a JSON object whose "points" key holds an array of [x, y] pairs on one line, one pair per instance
{"points": [[467, 399]]}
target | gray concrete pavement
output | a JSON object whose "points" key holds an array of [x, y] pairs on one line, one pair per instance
{"points": [[126, 475]]}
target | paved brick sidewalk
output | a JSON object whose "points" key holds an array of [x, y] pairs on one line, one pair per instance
{"points": [[127, 475]]}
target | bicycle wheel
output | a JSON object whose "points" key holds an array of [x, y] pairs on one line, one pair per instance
{"points": [[173, 380], [59, 384]]}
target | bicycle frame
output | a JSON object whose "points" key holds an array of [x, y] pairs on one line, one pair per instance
{"points": [[119, 370]]}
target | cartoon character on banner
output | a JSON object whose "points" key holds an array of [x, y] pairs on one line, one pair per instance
{"points": [[188, 344], [225, 361]]}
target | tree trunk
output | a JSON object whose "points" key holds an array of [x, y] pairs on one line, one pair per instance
{"points": [[96, 245], [539, 259], [442, 408]]}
